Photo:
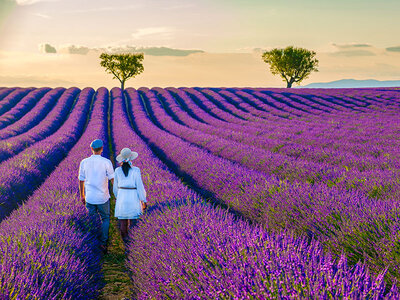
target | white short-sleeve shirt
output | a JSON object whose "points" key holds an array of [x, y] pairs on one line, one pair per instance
{"points": [[96, 171]]}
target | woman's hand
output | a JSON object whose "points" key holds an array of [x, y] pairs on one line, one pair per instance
{"points": [[144, 205]]}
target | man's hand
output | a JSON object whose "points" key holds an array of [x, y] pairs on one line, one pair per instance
{"points": [[82, 191]]}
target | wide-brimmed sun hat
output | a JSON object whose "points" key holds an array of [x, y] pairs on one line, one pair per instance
{"points": [[126, 154], [96, 144]]}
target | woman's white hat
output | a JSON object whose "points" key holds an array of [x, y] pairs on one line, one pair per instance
{"points": [[126, 154]]}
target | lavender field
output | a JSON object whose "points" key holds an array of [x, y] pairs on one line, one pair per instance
{"points": [[253, 193]]}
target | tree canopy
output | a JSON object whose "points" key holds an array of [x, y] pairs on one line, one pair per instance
{"points": [[292, 64], [123, 66]]}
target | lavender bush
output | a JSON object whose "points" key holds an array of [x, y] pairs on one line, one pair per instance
{"points": [[30, 168], [49, 246], [13, 98], [336, 217], [23, 106], [13, 145], [34, 116], [213, 255], [197, 252], [314, 173]]}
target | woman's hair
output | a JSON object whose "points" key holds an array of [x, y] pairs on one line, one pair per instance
{"points": [[125, 168]]}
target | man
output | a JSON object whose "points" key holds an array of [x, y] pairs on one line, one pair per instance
{"points": [[94, 174]]}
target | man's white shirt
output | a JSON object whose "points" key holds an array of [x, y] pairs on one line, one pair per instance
{"points": [[96, 171]]}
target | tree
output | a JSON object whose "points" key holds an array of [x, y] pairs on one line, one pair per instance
{"points": [[123, 66], [292, 64]]}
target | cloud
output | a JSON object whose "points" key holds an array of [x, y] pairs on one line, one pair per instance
{"points": [[353, 53], [162, 51], [153, 51], [159, 32], [83, 50], [353, 50], [351, 46], [73, 49], [47, 48], [393, 49], [66, 49]]}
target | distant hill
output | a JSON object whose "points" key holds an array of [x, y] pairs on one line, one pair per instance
{"points": [[353, 83]]}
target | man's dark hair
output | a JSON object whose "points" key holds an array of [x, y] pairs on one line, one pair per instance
{"points": [[97, 149], [125, 168]]}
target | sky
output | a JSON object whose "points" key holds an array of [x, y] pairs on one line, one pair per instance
{"points": [[353, 39]]}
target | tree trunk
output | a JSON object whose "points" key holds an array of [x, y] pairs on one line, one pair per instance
{"points": [[290, 82], [122, 85]]}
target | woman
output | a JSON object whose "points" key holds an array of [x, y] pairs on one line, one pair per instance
{"points": [[129, 192]]}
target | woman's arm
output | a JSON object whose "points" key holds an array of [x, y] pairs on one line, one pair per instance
{"points": [[141, 191]]}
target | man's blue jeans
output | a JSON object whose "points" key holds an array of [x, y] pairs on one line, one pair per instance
{"points": [[104, 211]]}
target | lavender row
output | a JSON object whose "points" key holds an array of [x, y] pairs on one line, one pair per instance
{"points": [[13, 98], [355, 98], [267, 162], [292, 107], [288, 97], [220, 112], [282, 135], [378, 158], [34, 116], [13, 145], [194, 102], [283, 132], [23, 106], [367, 134], [286, 144], [252, 157], [335, 103], [195, 251], [49, 246], [239, 132], [156, 273], [4, 92], [255, 128], [243, 108], [275, 144], [370, 96], [185, 99], [156, 176], [289, 106], [253, 105], [334, 216], [21, 174]]}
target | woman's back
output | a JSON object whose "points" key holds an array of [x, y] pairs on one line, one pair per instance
{"points": [[129, 191], [130, 180]]}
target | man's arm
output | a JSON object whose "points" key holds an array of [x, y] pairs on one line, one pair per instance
{"points": [[82, 191], [110, 172], [81, 177]]}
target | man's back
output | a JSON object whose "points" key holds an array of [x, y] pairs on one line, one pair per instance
{"points": [[96, 171]]}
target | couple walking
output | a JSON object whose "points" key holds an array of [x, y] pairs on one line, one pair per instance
{"points": [[94, 174]]}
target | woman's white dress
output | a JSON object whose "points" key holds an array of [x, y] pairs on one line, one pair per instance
{"points": [[128, 204]]}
